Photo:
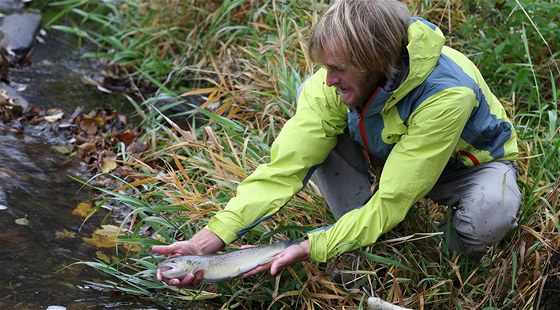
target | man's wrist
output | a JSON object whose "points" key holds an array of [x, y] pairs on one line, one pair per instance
{"points": [[307, 249], [207, 241]]}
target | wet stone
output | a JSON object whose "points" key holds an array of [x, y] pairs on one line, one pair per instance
{"points": [[11, 5], [7, 92], [19, 31]]}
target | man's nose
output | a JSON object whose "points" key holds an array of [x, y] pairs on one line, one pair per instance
{"points": [[332, 78]]}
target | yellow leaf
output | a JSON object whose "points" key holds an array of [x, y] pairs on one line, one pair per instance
{"points": [[103, 257], [104, 237], [82, 209], [108, 165], [64, 234], [132, 247]]}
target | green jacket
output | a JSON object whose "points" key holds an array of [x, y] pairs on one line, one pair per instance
{"points": [[439, 117]]}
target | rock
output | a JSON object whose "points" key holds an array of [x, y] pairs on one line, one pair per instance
{"points": [[6, 92], [11, 5], [4, 63], [19, 31]]}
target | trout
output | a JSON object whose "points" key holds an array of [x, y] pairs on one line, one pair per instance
{"points": [[222, 267]]}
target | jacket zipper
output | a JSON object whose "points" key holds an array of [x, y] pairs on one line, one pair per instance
{"points": [[361, 117]]}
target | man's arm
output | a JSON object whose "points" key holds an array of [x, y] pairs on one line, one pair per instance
{"points": [[303, 143]]}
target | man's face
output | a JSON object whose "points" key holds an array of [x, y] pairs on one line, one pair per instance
{"points": [[354, 88]]}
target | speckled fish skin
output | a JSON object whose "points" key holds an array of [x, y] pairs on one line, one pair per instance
{"points": [[222, 267]]}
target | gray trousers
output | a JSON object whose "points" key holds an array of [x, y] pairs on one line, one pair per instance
{"points": [[484, 200]]}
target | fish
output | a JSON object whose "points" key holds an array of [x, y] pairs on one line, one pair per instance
{"points": [[222, 267]]}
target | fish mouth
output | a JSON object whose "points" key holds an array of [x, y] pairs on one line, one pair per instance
{"points": [[164, 268]]}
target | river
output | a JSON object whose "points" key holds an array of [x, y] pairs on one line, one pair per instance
{"points": [[37, 195]]}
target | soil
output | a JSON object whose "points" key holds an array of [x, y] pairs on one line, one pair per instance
{"points": [[550, 296]]}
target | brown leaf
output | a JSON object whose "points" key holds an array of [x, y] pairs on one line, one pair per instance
{"points": [[85, 148], [36, 120], [126, 137], [89, 125], [136, 148]]}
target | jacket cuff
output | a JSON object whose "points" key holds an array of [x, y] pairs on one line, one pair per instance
{"points": [[221, 230], [318, 246]]}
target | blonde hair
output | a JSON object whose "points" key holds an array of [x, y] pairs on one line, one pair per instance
{"points": [[368, 35]]}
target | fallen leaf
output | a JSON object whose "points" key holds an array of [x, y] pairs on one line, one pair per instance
{"points": [[22, 221], [36, 120], [85, 148], [64, 234], [105, 237], [103, 257], [54, 111], [126, 137], [53, 118], [123, 118], [100, 121], [108, 164], [89, 125], [136, 148], [63, 148], [82, 209]]}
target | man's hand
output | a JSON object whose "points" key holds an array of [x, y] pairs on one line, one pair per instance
{"points": [[204, 242], [293, 254]]}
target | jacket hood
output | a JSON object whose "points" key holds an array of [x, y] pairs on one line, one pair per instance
{"points": [[425, 42]]}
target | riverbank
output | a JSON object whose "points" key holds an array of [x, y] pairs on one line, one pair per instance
{"points": [[245, 76]]}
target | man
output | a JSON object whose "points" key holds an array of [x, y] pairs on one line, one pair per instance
{"points": [[419, 108]]}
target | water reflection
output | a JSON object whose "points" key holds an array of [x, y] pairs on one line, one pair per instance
{"points": [[36, 187]]}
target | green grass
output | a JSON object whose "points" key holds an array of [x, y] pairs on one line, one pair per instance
{"points": [[247, 74]]}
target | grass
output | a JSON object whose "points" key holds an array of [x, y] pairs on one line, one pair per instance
{"points": [[243, 62]]}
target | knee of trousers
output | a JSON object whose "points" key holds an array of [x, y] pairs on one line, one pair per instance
{"points": [[486, 218]]}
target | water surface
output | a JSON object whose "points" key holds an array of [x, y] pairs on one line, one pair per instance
{"points": [[37, 195]]}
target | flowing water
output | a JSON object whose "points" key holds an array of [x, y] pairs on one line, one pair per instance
{"points": [[37, 195], [37, 198]]}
